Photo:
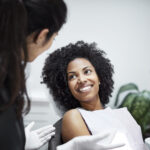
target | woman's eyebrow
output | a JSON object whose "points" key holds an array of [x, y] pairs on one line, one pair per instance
{"points": [[86, 67], [70, 72], [82, 69]]}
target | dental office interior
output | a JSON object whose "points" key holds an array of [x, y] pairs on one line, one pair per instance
{"points": [[119, 27]]}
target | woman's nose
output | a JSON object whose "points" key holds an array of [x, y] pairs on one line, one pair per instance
{"points": [[81, 79]]}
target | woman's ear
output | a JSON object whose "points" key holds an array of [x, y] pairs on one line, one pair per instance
{"points": [[42, 37], [99, 82]]}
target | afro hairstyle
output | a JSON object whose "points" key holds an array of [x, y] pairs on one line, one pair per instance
{"points": [[55, 73]]}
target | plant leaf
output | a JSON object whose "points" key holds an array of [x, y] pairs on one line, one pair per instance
{"points": [[124, 88], [140, 107], [146, 94], [128, 100]]}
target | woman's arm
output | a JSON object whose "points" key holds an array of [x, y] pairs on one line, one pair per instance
{"points": [[73, 125]]}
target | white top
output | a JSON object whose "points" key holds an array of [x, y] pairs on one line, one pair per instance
{"points": [[119, 123]]}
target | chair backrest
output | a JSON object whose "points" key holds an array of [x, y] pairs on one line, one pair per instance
{"points": [[57, 139]]}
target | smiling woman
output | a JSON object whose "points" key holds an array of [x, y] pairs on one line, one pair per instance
{"points": [[80, 80]]}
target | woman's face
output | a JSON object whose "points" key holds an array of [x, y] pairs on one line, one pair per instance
{"points": [[37, 48], [83, 81]]}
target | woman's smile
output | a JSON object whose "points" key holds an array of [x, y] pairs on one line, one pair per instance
{"points": [[84, 89]]}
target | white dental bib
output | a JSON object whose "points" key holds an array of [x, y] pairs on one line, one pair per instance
{"points": [[119, 123]]}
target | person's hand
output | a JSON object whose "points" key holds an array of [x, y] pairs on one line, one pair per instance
{"points": [[35, 139], [89, 143]]}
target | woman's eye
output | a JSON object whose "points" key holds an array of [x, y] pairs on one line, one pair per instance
{"points": [[87, 72], [71, 77]]}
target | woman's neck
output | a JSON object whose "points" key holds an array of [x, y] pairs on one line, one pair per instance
{"points": [[92, 104]]}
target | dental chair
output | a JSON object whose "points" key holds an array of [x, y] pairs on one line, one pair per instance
{"points": [[57, 139]]}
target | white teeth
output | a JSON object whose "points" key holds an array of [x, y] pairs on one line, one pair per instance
{"points": [[84, 88]]}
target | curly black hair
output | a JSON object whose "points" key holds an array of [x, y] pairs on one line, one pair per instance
{"points": [[55, 72]]}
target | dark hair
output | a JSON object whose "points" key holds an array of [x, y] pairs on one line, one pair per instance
{"points": [[42, 14], [55, 72], [12, 48]]}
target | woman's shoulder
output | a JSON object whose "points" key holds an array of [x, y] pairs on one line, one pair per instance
{"points": [[71, 113], [73, 125], [71, 118]]}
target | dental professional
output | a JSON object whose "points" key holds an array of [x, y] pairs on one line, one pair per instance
{"points": [[27, 29]]}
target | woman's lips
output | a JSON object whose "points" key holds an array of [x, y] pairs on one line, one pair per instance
{"points": [[85, 88]]}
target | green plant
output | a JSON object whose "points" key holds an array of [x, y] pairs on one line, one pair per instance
{"points": [[138, 104]]}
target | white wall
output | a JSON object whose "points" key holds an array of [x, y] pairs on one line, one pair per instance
{"points": [[120, 27]]}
